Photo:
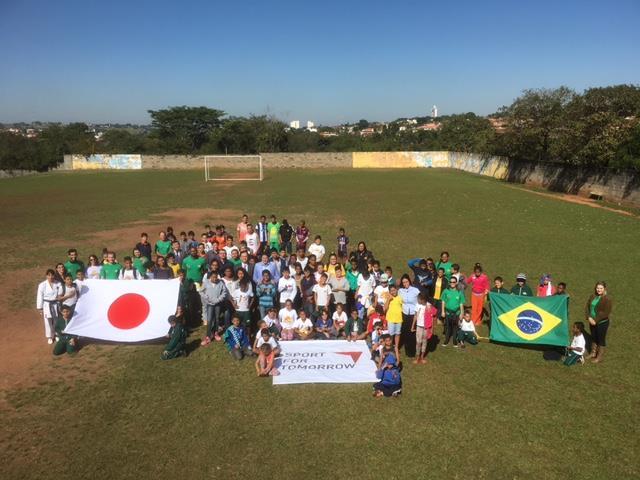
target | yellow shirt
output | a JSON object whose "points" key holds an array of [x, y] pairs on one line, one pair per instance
{"points": [[394, 314], [331, 269], [440, 286], [176, 269]]}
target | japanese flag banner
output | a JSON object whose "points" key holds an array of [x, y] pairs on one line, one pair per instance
{"points": [[124, 310]]}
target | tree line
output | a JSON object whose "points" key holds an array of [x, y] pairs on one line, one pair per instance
{"points": [[599, 127]]}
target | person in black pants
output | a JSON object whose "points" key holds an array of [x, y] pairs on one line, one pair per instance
{"points": [[452, 309]]}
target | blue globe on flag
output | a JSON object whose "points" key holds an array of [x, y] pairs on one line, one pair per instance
{"points": [[529, 321]]}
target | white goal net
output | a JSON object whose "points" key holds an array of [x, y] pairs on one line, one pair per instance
{"points": [[232, 167]]}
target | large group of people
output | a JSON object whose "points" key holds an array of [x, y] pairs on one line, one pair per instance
{"points": [[271, 281]]}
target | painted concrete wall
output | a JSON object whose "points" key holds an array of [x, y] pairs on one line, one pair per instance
{"points": [[269, 160], [621, 187], [111, 162]]}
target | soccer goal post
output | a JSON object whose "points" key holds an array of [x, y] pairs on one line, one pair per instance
{"points": [[232, 167]]}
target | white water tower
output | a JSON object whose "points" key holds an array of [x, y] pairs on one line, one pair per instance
{"points": [[434, 112]]}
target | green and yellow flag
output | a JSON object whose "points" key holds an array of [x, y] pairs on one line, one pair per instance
{"points": [[540, 321]]}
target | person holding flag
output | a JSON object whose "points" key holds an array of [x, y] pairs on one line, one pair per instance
{"points": [[47, 303], [479, 283], [177, 339], [521, 288], [64, 343]]}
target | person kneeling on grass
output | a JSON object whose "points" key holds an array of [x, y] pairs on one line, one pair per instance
{"points": [[236, 340], [575, 352], [467, 332], [390, 384], [265, 361], [64, 343], [177, 339]]}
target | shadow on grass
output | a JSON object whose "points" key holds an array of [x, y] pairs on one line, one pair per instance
{"points": [[549, 352]]}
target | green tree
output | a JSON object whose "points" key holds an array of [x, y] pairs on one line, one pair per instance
{"points": [[184, 129], [534, 125], [466, 133], [121, 141]]}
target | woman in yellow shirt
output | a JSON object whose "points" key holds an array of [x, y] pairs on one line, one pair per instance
{"points": [[330, 268]]}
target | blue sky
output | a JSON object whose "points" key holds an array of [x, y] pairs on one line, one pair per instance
{"points": [[330, 61]]}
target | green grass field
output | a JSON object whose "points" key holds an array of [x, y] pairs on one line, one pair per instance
{"points": [[487, 412]]}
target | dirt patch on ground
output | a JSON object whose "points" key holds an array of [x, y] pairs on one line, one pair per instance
{"points": [[576, 199], [25, 358]]}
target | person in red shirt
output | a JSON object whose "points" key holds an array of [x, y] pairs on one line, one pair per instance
{"points": [[546, 288], [242, 228], [302, 236], [479, 283], [377, 315], [220, 238]]}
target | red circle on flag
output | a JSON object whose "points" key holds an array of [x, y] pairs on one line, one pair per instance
{"points": [[128, 311]]}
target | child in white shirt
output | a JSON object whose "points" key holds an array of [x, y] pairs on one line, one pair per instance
{"points": [[321, 294], [287, 317], [467, 331], [287, 287], [317, 249], [575, 351], [339, 318], [271, 322], [303, 327]]}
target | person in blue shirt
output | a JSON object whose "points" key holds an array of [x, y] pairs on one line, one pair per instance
{"points": [[324, 326], [236, 340], [390, 384], [422, 276], [266, 293], [265, 265], [409, 295]]}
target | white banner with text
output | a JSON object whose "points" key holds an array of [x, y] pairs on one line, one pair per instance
{"points": [[324, 361]]}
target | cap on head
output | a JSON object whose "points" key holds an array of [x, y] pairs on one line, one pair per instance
{"points": [[390, 359], [521, 276], [384, 277]]}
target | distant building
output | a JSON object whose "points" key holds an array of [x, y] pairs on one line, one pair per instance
{"points": [[328, 134], [310, 124], [431, 126], [295, 124], [434, 112], [498, 124], [367, 132]]}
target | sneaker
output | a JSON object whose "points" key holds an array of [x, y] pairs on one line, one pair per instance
{"points": [[455, 345], [445, 344], [50, 341]]}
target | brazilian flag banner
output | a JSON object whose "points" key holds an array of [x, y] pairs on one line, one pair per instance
{"points": [[533, 320]]}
